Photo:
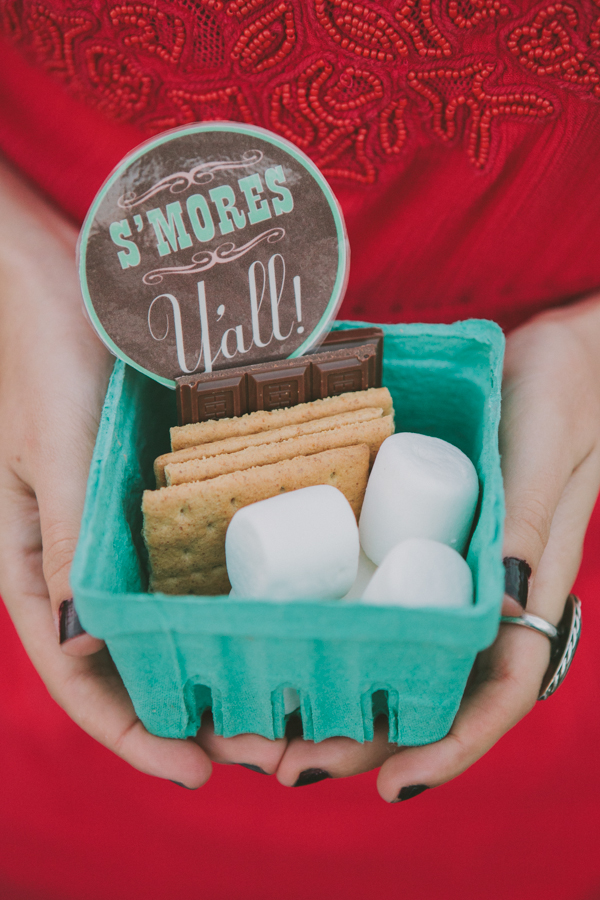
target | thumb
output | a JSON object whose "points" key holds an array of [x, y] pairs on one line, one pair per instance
{"points": [[60, 490]]}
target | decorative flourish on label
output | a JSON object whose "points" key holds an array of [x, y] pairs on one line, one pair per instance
{"points": [[206, 259], [178, 182]]}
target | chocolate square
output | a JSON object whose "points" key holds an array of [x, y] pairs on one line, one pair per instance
{"points": [[214, 404], [339, 376], [356, 337], [276, 389], [344, 370], [222, 397]]}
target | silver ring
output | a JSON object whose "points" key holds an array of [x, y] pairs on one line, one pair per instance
{"points": [[563, 638], [534, 622]]}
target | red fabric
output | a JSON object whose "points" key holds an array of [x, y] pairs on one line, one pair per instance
{"points": [[457, 204], [454, 147]]}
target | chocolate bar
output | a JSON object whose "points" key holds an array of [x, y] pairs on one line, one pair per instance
{"points": [[354, 366]]}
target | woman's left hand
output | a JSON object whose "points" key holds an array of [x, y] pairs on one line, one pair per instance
{"points": [[53, 377], [550, 443]]}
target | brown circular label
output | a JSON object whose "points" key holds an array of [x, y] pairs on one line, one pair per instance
{"points": [[210, 246]]}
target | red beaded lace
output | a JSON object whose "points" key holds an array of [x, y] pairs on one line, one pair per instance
{"points": [[353, 84], [460, 136]]}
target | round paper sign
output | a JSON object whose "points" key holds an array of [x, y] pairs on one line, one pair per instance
{"points": [[211, 246]]}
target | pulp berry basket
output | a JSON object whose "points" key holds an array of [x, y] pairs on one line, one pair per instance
{"points": [[348, 662]]}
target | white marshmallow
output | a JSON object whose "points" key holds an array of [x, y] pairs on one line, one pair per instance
{"points": [[291, 700], [420, 572], [420, 486], [301, 545], [366, 570]]}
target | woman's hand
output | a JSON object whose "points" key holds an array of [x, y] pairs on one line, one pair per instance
{"points": [[550, 444], [53, 377]]}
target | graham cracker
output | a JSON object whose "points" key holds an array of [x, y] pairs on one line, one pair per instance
{"points": [[372, 432], [241, 442], [185, 525], [183, 436]]}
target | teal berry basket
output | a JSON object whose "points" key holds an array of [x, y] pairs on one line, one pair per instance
{"points": [[349, 663]]}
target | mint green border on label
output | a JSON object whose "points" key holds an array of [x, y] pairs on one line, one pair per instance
{"points": [[343, 246]]}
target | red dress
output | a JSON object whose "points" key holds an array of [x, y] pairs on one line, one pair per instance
{"points": [[461, 137]]}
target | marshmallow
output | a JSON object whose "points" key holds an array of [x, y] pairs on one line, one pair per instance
{"points": [[300, 545], [420, 572], [420, 486], [366, 570], [291, 700]]}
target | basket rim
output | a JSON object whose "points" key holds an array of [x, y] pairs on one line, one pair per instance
{"points": [[117, 614]]}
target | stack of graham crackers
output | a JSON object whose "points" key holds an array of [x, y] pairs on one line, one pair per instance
{"points": [[217, 467]]}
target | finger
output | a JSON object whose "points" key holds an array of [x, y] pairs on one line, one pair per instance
{"points": [[305, 762], [53, 443], [537, 462], [560, 562], [92, 693], [60, 485], [88, 688], [535, 470], [506, 689], [249, 750]]}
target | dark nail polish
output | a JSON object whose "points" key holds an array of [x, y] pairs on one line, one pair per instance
{"points": [[69, 625], [179, 784], [410, 791], [252, 768], [311, 776], [516, 579]]}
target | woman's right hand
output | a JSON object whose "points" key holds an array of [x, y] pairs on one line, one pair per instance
{"points": [[550, 445], [53, 377]]}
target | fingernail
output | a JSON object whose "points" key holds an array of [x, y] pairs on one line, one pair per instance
{"points": [[516, 579], [252, 768], [311, 776], [69, 625], [410, 791], [179, 784]]}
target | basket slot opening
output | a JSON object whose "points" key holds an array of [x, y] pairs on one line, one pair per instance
{"points": [[380, 701], [379, 704], [286, 705], [202, 701]]}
